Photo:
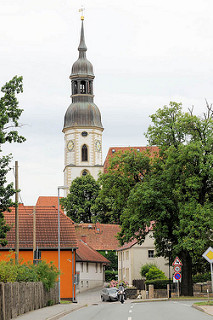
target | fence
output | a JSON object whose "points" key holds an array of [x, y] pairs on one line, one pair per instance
{"points": [[20, 297]]}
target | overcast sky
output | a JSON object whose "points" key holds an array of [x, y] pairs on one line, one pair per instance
{"points": [[145, 53]]}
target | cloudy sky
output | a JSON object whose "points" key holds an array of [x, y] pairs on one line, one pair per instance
{"points": [[145, 53]]}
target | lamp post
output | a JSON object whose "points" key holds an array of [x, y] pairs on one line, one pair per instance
{"points": [[169, 250], [59, 241]]}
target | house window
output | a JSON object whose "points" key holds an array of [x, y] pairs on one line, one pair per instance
{"points": [[82, 284], [150, 253], [100, 267], [82, 266], [96, 267], [84, 153], [87, 284], [127, 255], [87, 267]]}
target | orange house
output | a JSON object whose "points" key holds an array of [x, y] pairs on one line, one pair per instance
{"points": [[38, 228]]}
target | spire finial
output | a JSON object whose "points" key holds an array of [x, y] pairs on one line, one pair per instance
{"points": [[82, 11]]}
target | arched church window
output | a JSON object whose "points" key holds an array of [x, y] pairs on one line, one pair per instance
{"points": [[83, 87], [84, 153], [75, 87]]}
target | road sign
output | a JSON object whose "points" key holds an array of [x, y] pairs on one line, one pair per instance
{"points": [[177, 261], [208, 255], [177, 276], [177, 268]]}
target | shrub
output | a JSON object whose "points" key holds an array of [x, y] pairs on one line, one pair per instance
{"points": [[151, 272], [110, 275], [158, 283], [201, 277], [44, 272], [116, 284], [145, 269]]}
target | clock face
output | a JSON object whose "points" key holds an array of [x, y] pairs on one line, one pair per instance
{"points": [[98, 145], [70, 145]]}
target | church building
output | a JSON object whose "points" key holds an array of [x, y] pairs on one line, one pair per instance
{"points": [[82, 122]]}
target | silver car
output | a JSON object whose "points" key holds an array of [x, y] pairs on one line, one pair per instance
{"points": [[109, 294]]}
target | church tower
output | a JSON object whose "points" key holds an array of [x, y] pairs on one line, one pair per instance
{"points": [[82, 122]]}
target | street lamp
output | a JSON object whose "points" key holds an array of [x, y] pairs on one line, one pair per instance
{"points": [[59, 242], [169, 250]]}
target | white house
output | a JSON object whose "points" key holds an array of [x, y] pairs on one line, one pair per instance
{"points": [[132, 256], [90, 265]]}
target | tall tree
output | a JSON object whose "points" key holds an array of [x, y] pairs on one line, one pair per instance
{"points": [[125, 170], [9, 122], [178, 192], [80, 199]]}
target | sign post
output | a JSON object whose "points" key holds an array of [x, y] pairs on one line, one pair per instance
{"points": [[177, 264], [208, 255]]}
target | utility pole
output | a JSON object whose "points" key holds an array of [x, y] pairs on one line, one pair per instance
{"points": [[16, 215], [34, 231]]}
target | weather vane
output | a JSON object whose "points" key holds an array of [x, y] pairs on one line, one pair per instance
{"points": [[82, 12]]}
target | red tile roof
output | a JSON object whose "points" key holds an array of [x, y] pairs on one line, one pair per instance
{"points": [[130, 244], [48, 201], [86, 253], [98, 236], [113, 150], [46, 228]]}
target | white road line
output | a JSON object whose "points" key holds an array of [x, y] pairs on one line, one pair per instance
{"points": [[130, 311], [129, 318], [131, 307]]}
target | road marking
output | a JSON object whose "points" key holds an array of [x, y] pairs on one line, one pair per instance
{"points": [[129, 318], [130, 311], [131, 307]]}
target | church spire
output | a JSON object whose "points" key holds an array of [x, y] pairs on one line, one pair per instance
{"points": [[82, 46]]}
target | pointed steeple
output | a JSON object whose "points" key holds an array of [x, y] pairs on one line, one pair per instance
{"points": [[82, 46], [82, 65]]}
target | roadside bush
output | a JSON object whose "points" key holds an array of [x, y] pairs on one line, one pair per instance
{"points": [[110, 275], [201, 277], [151, 272], [158, 283], [44, 272]]}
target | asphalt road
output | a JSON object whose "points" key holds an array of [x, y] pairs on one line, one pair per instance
{"points": [[162, 310]]}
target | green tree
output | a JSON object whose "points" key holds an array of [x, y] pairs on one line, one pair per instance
{"points": [[178, 193], [80, 199], [125, 170], [9, 121]]}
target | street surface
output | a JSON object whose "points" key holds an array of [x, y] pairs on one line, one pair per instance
{"points": [[162, 310]]}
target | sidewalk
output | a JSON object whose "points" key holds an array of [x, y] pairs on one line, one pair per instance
{"points": [[59, 310], [51, 313], [206, 309]]}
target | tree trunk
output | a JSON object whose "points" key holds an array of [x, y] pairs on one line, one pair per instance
{"points": [[186, 282]]}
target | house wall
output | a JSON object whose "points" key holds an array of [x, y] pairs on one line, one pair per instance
{"points": [[132, 259], [91, 275], [50, 256]]}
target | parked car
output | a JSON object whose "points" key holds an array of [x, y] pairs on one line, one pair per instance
{"points": [[109, 294]]}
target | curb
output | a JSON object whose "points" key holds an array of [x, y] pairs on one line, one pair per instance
{"points": [[201, 309], [64, 313]]}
